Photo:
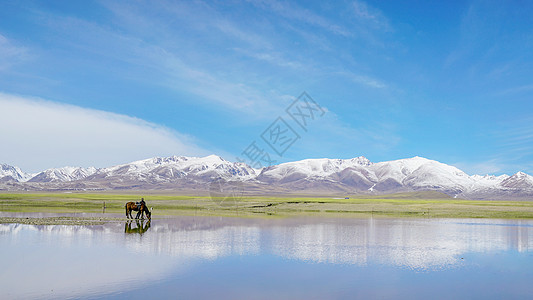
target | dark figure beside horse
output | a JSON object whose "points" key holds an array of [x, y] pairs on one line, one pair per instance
{"points": [[140, 207]]}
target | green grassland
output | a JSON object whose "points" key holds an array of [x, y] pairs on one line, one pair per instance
{"points": [[426, 205]]}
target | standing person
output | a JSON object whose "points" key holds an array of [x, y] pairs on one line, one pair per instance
{"points": [[140, 203]]}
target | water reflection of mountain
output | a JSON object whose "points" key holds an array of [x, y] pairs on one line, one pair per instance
{"points": [[402, 242], [410, 243]]}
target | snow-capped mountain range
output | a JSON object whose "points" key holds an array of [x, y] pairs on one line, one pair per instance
{"points": [[356, 175]]}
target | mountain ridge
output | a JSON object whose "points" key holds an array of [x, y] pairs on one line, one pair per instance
{"points": [[356, 176]]}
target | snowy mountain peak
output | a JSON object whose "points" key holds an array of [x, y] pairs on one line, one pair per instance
{"points": [[353, 175], [519, 180], [489, 178], [161, 160], [413, 163], [520, 175], [210, 159], [361, 160], [213, 157], [8, 172], [63, 174], [168, 169]]}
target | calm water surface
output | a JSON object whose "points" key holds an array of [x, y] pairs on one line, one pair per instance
{"points": [[299, 258]]}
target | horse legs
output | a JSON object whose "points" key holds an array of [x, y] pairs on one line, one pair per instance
{"points": [[128, 211], [127, 217]]}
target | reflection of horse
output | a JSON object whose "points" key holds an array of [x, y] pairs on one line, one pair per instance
{"points": [[140, 229], [141, 208]]}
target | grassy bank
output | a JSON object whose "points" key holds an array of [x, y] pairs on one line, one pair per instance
{"points": [[398, 205]]}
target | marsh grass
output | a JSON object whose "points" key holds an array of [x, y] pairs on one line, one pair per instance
{"points": [[397, 205]]}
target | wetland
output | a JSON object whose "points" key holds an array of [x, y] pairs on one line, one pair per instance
{"points": [[69, 246]]}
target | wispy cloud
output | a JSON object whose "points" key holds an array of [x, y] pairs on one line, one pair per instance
{"points": [[169, 66], [245, 97], [181, 76], [371, 16], [511, 150], [515, 135], [10, 53], [235, 93], [367, 81], [488, 167], [275, 58], [295, 12], [494, 166], [217, 61], [332, 135], [516, 90], [38, 134], [486, 40], [149, 19]]}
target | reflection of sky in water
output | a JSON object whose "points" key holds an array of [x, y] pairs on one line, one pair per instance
{"points": [[73, 261], [59, 261]]}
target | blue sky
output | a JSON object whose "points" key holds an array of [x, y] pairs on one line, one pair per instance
{"points": [[99, 83]]}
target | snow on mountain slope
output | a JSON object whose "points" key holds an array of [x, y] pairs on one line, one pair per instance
{"points": [[356, 175], [422, 173], [486, 183], [310, 169], [398, 169], [360, 175], [8, 172], [161, 169], [64, 174], [519, 180]]}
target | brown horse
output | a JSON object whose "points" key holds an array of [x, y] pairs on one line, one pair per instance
{"points": [[142, 209]]}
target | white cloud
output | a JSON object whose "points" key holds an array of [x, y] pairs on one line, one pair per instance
{"points": [[36, 134]]}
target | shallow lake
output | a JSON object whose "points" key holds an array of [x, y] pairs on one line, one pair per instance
{"points": [[296, 258]]}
